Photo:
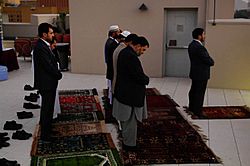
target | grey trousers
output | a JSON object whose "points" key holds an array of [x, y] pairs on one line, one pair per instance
{"points": [[129, 130]]}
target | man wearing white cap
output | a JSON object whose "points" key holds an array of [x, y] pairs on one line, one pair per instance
{"points": [[123, 43], [110, 46]]}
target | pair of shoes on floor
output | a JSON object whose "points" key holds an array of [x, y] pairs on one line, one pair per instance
{"points": [[21, 135], [12, 125], [128, 148], [30, 98], [3, 140], [30, 106], [3, 134], [28, 88], [24, 115], [5, 162], [4, 144]]}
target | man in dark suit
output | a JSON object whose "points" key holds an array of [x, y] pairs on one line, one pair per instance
{"points": [[46, 76], [199, 71], [129, 98], [110, 46]]}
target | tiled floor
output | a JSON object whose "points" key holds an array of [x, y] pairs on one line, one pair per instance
{"points": [[229, 139]]}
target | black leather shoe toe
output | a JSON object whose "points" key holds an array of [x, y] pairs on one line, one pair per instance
{"points": [[21, 135], [12, 125]]}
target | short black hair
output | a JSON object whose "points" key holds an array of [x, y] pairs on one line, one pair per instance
{"points": [[44, 28], [130, 37], [197, 32], [140, 40]]}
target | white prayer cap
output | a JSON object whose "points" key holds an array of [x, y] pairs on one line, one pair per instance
{"points": [[125, 33], [114, 28]]}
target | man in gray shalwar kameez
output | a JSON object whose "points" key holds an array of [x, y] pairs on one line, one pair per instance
{"points": [[129, 104]]}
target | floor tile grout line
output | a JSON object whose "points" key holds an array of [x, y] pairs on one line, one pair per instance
{"points": [[238, 153], [176, 87], [242, 97], [224, 94]]}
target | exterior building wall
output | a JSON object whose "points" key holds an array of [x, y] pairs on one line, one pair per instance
{"points": [[62, 5], [88, 35], [228, 44], [29, 30], [23, 14]]}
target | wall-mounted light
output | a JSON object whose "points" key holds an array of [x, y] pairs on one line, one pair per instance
{"points": [[143, 7]]}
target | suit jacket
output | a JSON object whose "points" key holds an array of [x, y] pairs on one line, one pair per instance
{"points": [[46, 73], [110, 46], [130, 88], [200, 61]]}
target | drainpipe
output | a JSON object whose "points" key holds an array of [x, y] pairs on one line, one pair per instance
{"points": [[214, 23]]}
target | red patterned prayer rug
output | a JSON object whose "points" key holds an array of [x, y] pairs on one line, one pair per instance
{"points": [[80, 107], [169, 140], [71, 99], [152, 91], [79, 92], [160, 101], [71, 144], [223, 112], [83, 117]]}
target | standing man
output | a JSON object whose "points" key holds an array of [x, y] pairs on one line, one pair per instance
{"points": [[46, 76], [199, 71], [126, 38], [110, 46], [130, 90]]}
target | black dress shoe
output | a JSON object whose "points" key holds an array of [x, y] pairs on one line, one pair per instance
{"points": [[12, 125], [30, 106], [4, 144], [4, 139], [30, 98], [35, 95], [28, 88], [21, 135], [24, 115], [3, 134], [5, 162]]}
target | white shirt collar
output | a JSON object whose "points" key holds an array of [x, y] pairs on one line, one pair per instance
{"points": [[113, 39], [45, 41], [198, 41]]}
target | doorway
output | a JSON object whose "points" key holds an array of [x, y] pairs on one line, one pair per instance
{"points": [[179, 26]]}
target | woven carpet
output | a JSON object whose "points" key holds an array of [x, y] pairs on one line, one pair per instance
{"points": [[224, 112], [79, 134], [72, 144], [71, 129], [161, 101], [83, 117], [80, 92], [80, 107], [90, 158], [167, 138]]}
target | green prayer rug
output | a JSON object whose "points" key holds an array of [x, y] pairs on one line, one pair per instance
{"points": [[109, 157]]}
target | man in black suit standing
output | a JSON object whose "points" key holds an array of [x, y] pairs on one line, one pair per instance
{"points": [[110, 46], [129, 105], [199, 71], [46, 76]]}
